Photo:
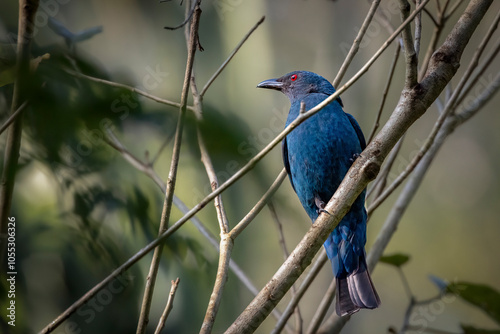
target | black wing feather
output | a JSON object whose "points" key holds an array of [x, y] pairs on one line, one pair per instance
{"points": [[284, 151], [356, 127]]}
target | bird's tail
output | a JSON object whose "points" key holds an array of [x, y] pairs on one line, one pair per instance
{"points": [[356, 291]]}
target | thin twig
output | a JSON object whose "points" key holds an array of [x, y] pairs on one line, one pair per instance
{"points": [[286, 253], [172, 176], [258, 206], [454, 8], [13, 116], [376, 123], [311, 275], [409, 50], [168, 307], [384, 20], [418, 30], [357, 41], [224, 64], [379, 184], [479, 72], [186, 20], [323, 307], [126, 87]]}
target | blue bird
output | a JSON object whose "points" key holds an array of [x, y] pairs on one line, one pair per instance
{"points": [[317, 155]]}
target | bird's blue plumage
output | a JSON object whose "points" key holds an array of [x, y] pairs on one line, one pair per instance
{"points": [[317, 156]]}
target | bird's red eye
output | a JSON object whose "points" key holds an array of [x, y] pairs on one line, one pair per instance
{"points": [[293, 77]]}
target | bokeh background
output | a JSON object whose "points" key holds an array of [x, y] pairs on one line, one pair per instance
{"points": [[82, 210]]}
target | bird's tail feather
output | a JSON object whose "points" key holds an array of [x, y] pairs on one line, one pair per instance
{"points": [[356, 291]]}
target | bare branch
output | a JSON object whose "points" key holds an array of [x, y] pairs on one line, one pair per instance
{"points": [[418, 30], [311, 275], [27, 11], [409, 50], [357, 41], [13, 116], [126, 87], [172, 175], [376, 124], [186, 20], [258, 206], [224, 64], [286, 253], [322, 308], [480, 101], [454, 8], [168, 307], [380, 183]]}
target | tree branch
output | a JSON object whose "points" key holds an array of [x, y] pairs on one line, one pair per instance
{"points": [[172, 175], [168, 307], [409, 50], [27, 11], [224, 64], [126, 87], [357, 41], [376, 123]]}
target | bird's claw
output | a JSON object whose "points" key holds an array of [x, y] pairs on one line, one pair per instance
{"points": [[354, 157], [323, 210]]}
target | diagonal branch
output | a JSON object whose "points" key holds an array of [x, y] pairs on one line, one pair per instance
{"points": [[224, 64], [126, 87], [357, 41], [13, 117]]}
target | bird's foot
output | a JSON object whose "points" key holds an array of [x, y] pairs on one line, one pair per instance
{"points": [[354, 157], [320, 206], [323, 210]]}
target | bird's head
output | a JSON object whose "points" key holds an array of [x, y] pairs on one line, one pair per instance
{"points": [[298, 84]]}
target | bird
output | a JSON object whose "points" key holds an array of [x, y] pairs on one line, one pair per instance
{"points": [[317, 155]]}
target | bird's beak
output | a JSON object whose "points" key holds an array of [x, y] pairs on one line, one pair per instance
{"points": [[271, 84]]}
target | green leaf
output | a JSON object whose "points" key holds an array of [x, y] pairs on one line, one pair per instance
{"points": [[482, 296], [474, 330], [397, 259]]}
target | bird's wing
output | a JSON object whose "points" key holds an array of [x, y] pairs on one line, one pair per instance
{"points": [[356, 127], [284, 151]]}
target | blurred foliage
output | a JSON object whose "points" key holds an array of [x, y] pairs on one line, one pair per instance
{"points": [[396, 260], [482, 296], [473, 330]]}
